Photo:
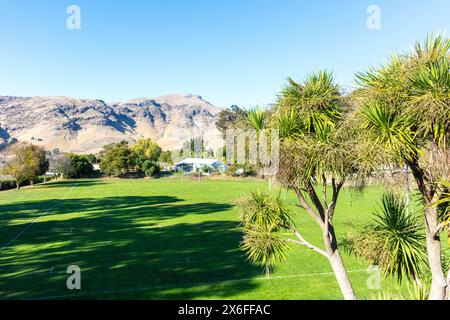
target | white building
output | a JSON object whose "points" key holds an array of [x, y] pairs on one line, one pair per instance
{"points": [[199, 164]]}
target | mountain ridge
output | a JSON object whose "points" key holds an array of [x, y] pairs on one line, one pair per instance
{"points": [[86, 125]]}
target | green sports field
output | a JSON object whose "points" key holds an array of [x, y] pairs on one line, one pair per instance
{"points": [[159, 239]]}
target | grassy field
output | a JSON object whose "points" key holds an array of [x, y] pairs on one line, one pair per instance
{"points": [[158, 239]]}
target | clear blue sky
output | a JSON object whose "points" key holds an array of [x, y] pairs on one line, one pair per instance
{"points": [[228, 51]]}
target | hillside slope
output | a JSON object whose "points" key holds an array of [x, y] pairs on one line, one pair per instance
{"points": [[85, 126]]}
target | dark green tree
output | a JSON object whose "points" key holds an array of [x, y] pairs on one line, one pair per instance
{"points": [[80, 166], [231, 118], [118, 160]]}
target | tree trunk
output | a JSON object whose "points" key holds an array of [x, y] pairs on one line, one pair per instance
{"points": [[341, 276], [338, 265], [324, 218], [448, 286], [439, 282], [408, 191], [17, 185]]}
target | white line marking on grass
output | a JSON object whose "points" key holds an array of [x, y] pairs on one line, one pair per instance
{"points": [[197, 284], [35, 220]]}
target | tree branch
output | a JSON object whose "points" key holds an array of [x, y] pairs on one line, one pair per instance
{"points": [[420, 178], [436, 197], [324, 190], [305, 243], [307, 208], [315, 200], [336, 190], [439, 228]]}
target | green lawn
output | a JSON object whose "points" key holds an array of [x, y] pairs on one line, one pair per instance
{"points": [[158, 239]]}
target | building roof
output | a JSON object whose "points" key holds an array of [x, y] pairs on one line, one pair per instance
{"points": [[199, 161]]}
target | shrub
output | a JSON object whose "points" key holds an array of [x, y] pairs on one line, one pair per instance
{"points": [[150, 168], [81, 166]]}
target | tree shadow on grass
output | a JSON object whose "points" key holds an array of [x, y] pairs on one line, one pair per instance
{"points": [[127, 248], [73, 183], [136, 207]]}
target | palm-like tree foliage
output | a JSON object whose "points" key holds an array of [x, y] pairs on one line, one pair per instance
{"points": [[316, 149], [394, 240], [316, 100], [309, 118], [415, 90], [265, 210], [261, 216], [289, 124], [256, 118], [403, 237], [430, 100], [388, 129], [434, 48], [417, 292], [263, 247], [429, 88]]}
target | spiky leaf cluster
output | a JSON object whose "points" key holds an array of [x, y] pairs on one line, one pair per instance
{"points": [[262, 215]]}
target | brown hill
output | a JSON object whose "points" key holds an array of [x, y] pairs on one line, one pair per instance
{"points": [[85, 126]]}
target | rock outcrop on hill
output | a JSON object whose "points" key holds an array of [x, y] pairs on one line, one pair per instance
{"points": [[85, 126]]}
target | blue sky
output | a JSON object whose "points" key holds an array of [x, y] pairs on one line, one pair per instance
{"points": [[228, 51]]}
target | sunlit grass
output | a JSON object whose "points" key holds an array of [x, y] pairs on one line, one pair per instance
{"points": [[160, 239]]}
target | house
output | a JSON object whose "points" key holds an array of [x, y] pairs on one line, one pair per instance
{"points": [[190, 165]]}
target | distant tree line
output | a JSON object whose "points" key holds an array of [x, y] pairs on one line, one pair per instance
{"points": [[27, 163]]}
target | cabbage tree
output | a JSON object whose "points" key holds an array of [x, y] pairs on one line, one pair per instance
{"points": [[403, 111], [317, 156]]}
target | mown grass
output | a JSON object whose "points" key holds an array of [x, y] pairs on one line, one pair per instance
{"points": [[159, 239]]}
